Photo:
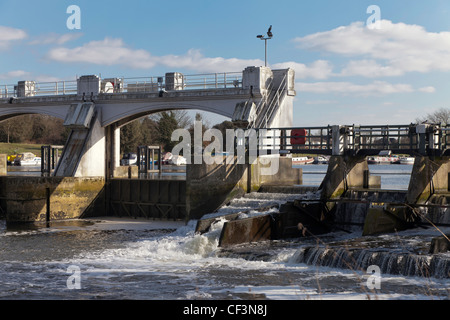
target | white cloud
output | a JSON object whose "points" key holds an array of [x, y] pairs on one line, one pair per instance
{"points": [[195, 60], [19, 75], [428, 89], [114, 52], [320, 102], [346, 88], [53, 38], [400, 47], [319, 69], [370, 69], [105, 52], [14, 74], [8, 35]]}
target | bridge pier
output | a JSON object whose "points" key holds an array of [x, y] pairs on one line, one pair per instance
{"points": [[344, 173], [430, 176], [209, 186]]}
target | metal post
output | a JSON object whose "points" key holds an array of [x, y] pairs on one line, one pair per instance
{"points": [[47, 213], [265, 56], [338, 143], [421, 131]]}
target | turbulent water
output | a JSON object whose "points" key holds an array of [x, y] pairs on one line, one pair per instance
{"points": [[140, 259]]}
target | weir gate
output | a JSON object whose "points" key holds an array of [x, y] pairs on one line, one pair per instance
{"points": [[88, 180], [137, 191]]}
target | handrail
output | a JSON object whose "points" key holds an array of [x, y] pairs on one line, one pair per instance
{"points": [[364, 140], [276, 99], [225, 80]]}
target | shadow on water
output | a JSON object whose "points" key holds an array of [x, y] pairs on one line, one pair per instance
{"points": [[33, 226]]}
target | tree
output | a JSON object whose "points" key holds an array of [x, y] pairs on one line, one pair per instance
{"points": [[37, 129], [198, 118], [224, 126], [441, 116], [149, 129], [167, 124], [131, 137]]}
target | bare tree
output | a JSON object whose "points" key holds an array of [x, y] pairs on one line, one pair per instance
{"points": [[441, 116]]}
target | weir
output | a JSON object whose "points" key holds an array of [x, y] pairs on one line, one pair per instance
{"points": [[349, 195], [88, 180]]}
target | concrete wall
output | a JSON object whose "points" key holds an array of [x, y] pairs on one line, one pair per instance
{"points": [[30, 199], [429, 176], [92, 162], [343, 172], [211, 186], [3, 164]]}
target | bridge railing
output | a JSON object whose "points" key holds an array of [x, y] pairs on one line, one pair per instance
{"points": [[171, 81], [7, 91], [32, 89], [363, 140], [311, 140], [55, 88], [397, 138], [213, 81]]}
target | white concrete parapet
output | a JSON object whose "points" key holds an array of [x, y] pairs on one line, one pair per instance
{"points": [[258, 78], [89, 85], [26, 89]]}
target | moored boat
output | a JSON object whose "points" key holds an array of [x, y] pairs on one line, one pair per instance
{"points": [[384, 157], [302, 160], [383, 160], [178, 160], [27, 159], [320, 160], [10, 159], [406, 160]]}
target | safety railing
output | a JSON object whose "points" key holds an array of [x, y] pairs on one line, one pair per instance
{"points": [[32, 89], [274, 103], [396, 138], [363, 140], [311, 140], [7, 91], [55, 88], [171, 81], [213, 81]]}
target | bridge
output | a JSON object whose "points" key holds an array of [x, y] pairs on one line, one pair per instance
{"points": [[96, 108]]}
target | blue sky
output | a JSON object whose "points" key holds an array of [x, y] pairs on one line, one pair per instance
{"points": [[346, 73]]}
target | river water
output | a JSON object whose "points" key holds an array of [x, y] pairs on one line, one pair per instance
{"points": [[154, 260]]}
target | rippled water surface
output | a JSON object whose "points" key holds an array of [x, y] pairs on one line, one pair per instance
{"points": [[141, 259]]}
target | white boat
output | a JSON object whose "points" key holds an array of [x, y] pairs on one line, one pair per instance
{"points": [[384, 157], [320, 160], [382, 160], [27, 159], [129, 159], [178, 161], [302, 160], [407, 160]]}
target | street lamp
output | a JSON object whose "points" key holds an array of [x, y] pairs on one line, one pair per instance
{"points": [[269, 36]]}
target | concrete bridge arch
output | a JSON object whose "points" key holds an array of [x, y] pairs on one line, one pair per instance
{"points": [[133, 113], [60, 113]]}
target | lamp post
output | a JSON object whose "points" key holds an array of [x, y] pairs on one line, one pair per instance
{"points": [[269, 36]]}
